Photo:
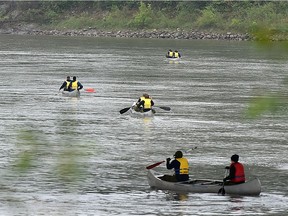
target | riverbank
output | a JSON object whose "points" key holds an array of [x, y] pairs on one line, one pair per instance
{"points": [[31, 29]]}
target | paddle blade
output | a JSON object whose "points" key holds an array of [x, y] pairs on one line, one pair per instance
{"points": [[154, 165], [165, 108], [124, 110], [222, 190], [91, 90]]}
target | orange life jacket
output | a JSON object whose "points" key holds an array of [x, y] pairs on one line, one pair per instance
{"points": [[239, 173]]}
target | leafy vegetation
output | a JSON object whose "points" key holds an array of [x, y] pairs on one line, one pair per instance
{"points": [[218, 16]]}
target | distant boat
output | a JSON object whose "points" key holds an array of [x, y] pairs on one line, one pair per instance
{"points": [[75, 93], [173, 58]]}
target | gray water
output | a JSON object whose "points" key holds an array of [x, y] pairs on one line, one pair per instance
{"points": [[208, 92]]}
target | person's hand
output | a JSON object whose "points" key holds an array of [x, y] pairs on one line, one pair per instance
{"points": [[168, 159], [227, 167]]}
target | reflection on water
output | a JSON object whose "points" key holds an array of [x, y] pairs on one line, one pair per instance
{"points": [[90, 160]]}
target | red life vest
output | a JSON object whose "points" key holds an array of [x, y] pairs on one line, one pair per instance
{"points": [[239, 173]]}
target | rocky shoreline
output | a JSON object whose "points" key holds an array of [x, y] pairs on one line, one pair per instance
{"points": [[165, 34]]}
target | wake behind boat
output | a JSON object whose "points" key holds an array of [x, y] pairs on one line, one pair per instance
{"points": [[249, 188], [75, 93]]}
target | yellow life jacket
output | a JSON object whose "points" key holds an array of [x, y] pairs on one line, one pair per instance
{"points": [[74, 85], [147, 104], [170, 54], [176, 54], [184, 166], [67, 84]]}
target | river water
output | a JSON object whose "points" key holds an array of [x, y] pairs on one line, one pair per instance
{"points": [[68, 156]]}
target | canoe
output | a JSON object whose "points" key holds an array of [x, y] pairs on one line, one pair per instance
{"points": [[174, 59], [249, 188], [134, 111], [74, 93]]}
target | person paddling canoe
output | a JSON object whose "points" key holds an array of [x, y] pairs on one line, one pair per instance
{"points": [[180, 166], [236, 171], [66, 84], [75, 85], [144, 103]]}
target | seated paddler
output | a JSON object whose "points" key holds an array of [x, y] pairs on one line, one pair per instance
{"points": [[144, 103], [236, 171], [170, 54], [66, 84], [181, 168], [75, 84]]}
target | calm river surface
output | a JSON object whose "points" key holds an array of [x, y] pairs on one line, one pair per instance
{"points": [[208, 92]]}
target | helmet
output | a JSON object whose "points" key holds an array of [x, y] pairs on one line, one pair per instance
{"points": [[178, 154], [235, 158]]}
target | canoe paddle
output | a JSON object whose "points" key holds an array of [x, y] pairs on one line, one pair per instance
{"points": [[124, 110], [222, 189], [161, 107], [90, 90], [154, 165], [164, 108], [160, 162]]}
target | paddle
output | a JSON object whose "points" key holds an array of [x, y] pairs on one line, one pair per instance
{"points": [[154, 165], [124, 110], [90, 90], [164, 108], [160, 162], [222, 189]]}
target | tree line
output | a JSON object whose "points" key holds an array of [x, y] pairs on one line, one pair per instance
{"points": [[220, 16]]}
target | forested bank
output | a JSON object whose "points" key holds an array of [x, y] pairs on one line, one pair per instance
{"points": [[262, 19]]}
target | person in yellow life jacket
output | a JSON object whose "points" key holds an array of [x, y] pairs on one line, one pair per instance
{"points": [[176, 54], [145, 103], [75, 85], [236, 171], [170, 54], [180, 166], [66, 84]]}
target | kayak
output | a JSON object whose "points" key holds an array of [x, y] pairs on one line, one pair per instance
{"points": [[74, 93], [134, 112], [249, 188]]}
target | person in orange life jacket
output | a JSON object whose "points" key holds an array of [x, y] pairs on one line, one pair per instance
{"points": [[66, 84], [236, 171], [75, 85], [180, 166], [176, 54], [145, 103], [170, 54]]}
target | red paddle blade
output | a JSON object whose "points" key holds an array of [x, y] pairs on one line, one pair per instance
{"points": [[154, 165], [90, 90]]}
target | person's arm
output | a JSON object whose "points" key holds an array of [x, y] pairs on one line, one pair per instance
{"points": [[62, 86], [231, 175], [152, 103], [80, 86], [171, 165], [141, 103]]}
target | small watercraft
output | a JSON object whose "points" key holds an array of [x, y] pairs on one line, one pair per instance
{"points": [[74, 93], [250, 188]]}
